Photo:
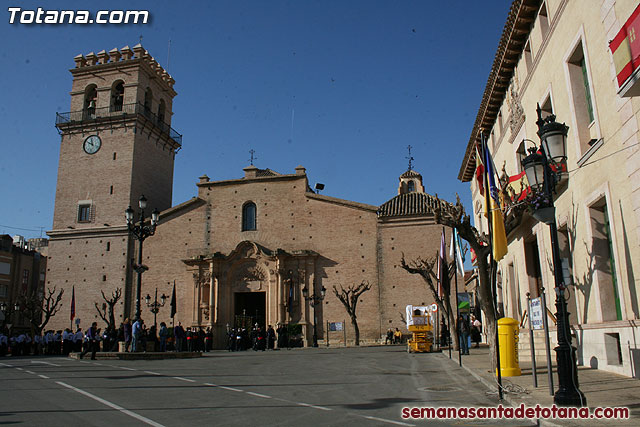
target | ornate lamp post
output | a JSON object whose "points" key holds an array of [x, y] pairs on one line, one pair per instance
{"points": [[140, 231], [155, 306], [543, 168], [315, 300]]}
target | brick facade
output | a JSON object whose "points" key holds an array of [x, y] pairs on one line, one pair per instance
{"points": [[301, 239]]}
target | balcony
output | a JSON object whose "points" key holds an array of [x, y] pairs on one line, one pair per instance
{"points": [[117, 112]]}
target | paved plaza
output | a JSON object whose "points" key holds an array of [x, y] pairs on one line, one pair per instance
{"points": [[325, 386]]}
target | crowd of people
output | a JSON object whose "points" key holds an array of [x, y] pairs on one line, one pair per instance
{"points": [[134, 336], [239, 339]]}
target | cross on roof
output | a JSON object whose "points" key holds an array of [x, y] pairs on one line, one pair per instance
{"points": [[252, 152], [411, 159]]}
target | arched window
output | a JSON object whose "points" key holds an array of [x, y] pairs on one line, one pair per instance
{"points": [[148, 97], [161, 110], [117, 96], [411, 187], [90, 100], [249, 216]]}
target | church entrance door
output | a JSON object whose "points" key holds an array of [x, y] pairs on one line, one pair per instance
{"points": [[250, 308]]}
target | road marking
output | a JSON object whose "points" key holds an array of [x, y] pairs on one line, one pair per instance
{"points": [[212, 385], [99, 364], [385, 421], [128, 369], [20, 369], [29, 372], [258, 394], [44, 363], [4, 364], [152, 373], [230, 388], [184, 379], [43, 376], [112, 405], [313, 406], [82, 361]]}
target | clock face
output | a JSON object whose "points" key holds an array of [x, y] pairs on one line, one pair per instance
{"points": [[92, 144]]}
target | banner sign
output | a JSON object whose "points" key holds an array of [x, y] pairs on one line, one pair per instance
{"points": [[336, 326], [537, 311]]}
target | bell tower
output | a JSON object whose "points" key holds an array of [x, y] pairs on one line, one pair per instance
{"points": [[117, 143]]}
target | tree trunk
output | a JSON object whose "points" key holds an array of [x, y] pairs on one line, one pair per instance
{"points": [[354, 322], [488, 308]]}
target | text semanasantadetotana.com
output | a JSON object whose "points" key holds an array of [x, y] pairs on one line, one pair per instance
{"points": [[519, 412]]}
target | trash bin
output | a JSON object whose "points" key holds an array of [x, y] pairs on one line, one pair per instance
{"points": [[508, 333]]}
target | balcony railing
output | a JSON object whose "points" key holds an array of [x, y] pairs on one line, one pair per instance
{"points": [[118, 111]]}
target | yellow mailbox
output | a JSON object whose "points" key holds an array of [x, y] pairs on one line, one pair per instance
{"points": [[508, 333]]}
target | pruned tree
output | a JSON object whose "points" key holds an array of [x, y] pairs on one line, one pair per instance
{"points": [[39, 309], [106, 312], [454, 216], [425, 269], [349, 298]]}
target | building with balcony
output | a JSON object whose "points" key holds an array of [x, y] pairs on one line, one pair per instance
{"points": [[245, 247], [557, 53]]}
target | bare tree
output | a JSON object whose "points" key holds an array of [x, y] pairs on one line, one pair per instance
{"points": [[454, 216], [425, 269], [40, 309], [349, 298], [106, 312]]}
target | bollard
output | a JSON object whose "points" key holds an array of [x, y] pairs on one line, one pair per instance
{"points": [[508, 333]]}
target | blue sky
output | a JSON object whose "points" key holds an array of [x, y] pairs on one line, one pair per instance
{"points": [[340, 87]]}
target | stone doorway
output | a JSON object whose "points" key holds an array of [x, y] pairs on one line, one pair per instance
{"points": [[249, 309]]}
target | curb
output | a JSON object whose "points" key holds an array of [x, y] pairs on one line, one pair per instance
{"points": [[508, 399]]}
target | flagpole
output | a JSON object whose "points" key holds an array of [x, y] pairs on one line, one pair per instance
{"points": [[494, 295], [455, 275]]}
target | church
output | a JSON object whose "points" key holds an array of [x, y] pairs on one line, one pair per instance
{"points": [[252, 248]]}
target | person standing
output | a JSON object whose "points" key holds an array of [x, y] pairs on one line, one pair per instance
{"points": [[127, 334], [136, 335], [189, 340], [164, 334], [463, 334], [476, 331], [271, 337], [208, 340], [92, 341], [389, 338], [178, 332]]}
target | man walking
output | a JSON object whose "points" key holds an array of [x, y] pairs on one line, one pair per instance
{"points": [[92, 341]]}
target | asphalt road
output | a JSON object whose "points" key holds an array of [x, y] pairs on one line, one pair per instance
{"points": [[330, 387]]}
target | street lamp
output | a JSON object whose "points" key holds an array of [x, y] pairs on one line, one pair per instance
{"points": [[155, 306], [315, 300], [542, 169], [140, 232]]}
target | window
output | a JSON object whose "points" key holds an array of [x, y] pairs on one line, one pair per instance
{"points": [[108, 246], [5, 268], [249, 216], [90, 100], [4, 291], [411, 186], [604, 261], [148, 98], [543, 19], [581, 97], [161, 111], [117, 96], [546, 107], [532, 264], [84, 213], [528, 57]]}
